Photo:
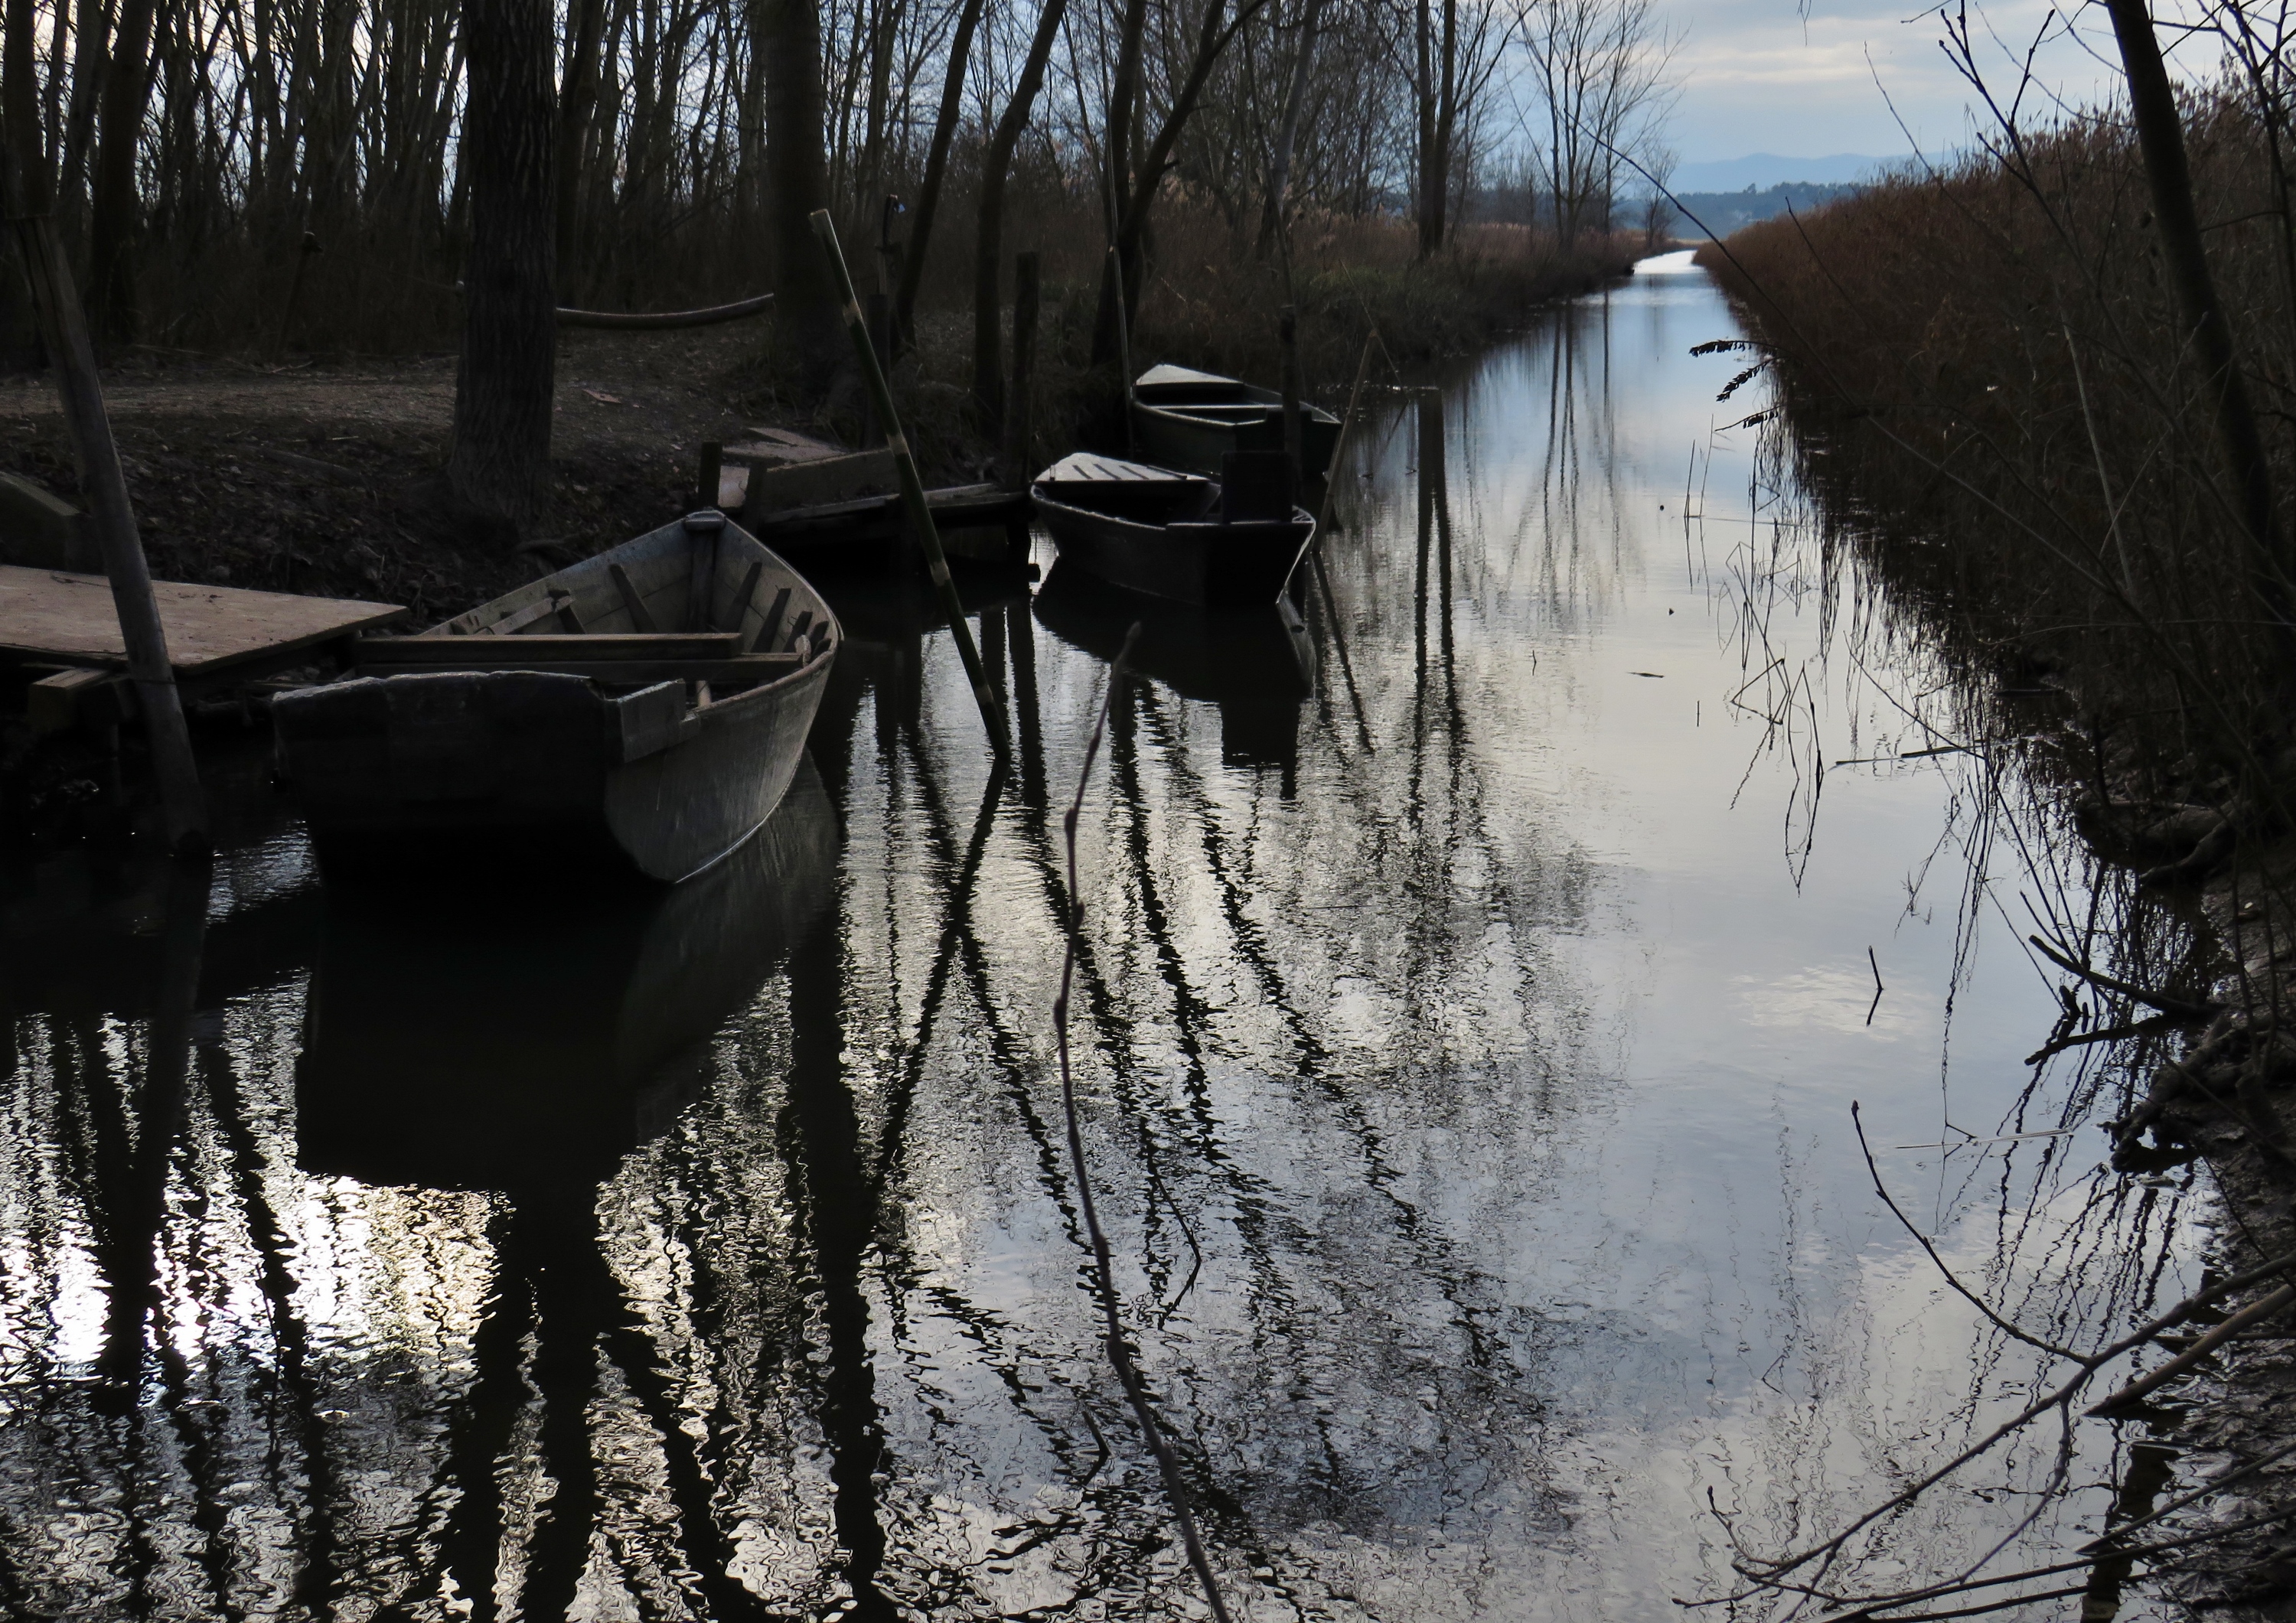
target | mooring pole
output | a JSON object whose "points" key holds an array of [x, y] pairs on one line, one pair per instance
{"points": [[1017, 437], [64, 329], [913, 489], [1287, 339], [1123, 342]]}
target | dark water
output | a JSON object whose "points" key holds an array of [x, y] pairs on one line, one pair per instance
{"points": [[1476, 983]]}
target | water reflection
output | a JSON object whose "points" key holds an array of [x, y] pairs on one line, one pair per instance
{"points": [[1256, 665], [1467, 1094]]}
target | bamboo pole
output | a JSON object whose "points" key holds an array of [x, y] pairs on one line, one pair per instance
{"points": [[64, 328], [2160, 137], [913, 489]]}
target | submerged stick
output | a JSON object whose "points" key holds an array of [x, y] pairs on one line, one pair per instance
{"points": [[1347, 427], [913, 489], [2193, 1356], [1135, 1389]]}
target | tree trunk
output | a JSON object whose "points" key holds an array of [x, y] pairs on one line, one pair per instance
{"points": [[789, 32], [580, 99], [112, 242], [921, 223], [1124, 93], [1423, 87], [1132, 231], [988, 242], [500, 459], [1287, 132]]}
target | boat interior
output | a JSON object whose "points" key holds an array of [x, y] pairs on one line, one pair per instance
{"points": [[1177, 499], [700, 589], [1255, 487]]}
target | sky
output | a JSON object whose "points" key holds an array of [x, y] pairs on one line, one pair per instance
{"points": [[1809, 80]]}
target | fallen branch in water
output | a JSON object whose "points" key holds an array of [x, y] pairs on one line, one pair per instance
{"points": [[1770, 1575], [2182, 1008], [2255, 1311], [1135, 1389]]}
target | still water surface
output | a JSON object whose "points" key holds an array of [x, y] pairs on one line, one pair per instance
{"points": [[1476, 983]]}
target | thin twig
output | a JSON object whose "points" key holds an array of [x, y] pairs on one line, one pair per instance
{"points": [[1135, 1389], [1974, 1301]]}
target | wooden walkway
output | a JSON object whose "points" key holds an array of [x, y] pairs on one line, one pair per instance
{"points": [[217, 635], [59, 618]]}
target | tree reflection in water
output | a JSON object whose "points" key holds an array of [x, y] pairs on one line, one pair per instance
{"points": [[1466, 1081]]}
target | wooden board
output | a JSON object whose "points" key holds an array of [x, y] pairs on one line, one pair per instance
{"points": [[770, 492], [1087, 468], [747, 668], [522, 651], [63, 616]]}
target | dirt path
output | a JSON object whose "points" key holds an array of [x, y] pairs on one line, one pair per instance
{"points": [[319, 478]]}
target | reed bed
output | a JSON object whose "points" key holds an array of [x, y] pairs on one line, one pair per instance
{"points": [[1983, 369]]}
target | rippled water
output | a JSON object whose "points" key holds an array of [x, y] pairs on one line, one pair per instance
{"points": [[1476, 983]]}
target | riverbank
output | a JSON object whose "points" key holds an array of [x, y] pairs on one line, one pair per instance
{"points": [[317, 474], [1978, 378]]}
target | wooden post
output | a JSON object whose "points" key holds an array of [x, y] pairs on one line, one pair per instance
{"points": [[1287, 338], [1018, 434], [64, 328], [913, 489], [295, 290], [1123, 340], [713, 457]]}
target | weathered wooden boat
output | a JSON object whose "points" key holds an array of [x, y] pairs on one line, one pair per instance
{"points": [[1256, 664], [1233, 540], [1186, 419], [841, 515], [645, 707]]}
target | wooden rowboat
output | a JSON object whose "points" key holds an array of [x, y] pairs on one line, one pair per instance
{"points": [[1228, 541], [1182, 418], [646, 707]]}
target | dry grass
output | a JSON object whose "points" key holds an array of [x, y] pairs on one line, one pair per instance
{"points": [[1984, 372]]}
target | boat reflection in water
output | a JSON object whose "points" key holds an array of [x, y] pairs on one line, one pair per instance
{"points": [[525, 1050], [1256, 664], [530, 1040]]}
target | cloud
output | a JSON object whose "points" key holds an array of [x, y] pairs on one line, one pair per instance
{"points": [[1759, 75]]}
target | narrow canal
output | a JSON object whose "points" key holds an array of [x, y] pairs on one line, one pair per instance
{"points": [[1479, 969]]}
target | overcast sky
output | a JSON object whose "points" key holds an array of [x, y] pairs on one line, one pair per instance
{"points": [[1769, 76]]}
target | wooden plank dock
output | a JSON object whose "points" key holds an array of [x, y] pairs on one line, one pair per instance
{"points": [[63, 620]]}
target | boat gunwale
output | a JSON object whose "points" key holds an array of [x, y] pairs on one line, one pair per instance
{"points": [[1200, 528]]}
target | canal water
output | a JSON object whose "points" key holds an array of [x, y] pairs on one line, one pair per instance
{"points": [[1478, 967]]}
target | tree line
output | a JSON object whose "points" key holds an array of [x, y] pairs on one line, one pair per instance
{"points": [[331, 172]]}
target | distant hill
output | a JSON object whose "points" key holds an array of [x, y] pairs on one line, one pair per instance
{"points": [[1766, 169], [1724, 212]]}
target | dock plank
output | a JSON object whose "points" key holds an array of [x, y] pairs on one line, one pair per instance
{"points": [[67, 617]]}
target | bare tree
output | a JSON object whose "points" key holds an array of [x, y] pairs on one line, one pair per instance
{"points": [[988, 236], [1601, 70]]}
